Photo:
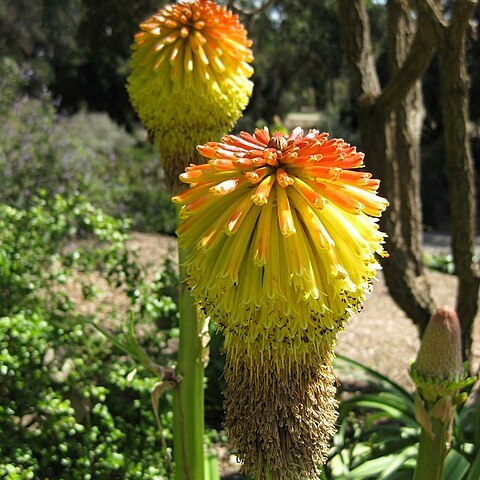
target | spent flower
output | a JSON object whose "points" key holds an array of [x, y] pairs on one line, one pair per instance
{"points": [[190, 77], [283, 239]]}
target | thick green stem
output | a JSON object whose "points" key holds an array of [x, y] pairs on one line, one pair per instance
{"points": [[211, 467], [268, 474], [432, 452], [189, 394]]}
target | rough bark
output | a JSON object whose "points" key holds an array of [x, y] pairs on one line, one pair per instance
{"points": [[450, 38], [389, 124]]}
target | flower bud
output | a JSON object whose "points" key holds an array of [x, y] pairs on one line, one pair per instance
{"points": [[440, 354]]}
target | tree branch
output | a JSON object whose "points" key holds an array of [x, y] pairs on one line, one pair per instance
{"points": [[461, 15], [354, 22], [415, 64], [250, 13]]}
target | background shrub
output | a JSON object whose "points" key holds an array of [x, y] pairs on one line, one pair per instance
{"points": [[86, 153], [73, 406]]}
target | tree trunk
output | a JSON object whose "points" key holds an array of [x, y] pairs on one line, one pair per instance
{"points": [[389, 124], [454, 83], [405, 123]]}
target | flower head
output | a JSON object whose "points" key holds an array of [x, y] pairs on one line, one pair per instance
{"points": [[282, 237], [189, 80]]}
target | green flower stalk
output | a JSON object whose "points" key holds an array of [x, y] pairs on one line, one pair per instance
{"points": [[283, 244], [190, 78], [439, 375]]}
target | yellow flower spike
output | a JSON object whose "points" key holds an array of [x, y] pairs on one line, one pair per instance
{"points": [[283, 247], [190, 78]]}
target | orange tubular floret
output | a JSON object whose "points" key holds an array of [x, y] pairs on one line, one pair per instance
{"points": [[253, 139], [313, 148], [222, 164], [333, 159], [374, 205], [190, 194], [355, 178], [244, 162], [229, 150], [341, 197], [260, 197], [283, 179], [256, 175], [353, 161], [238, 215], [290, 157], [226, 187], [198, 204], [322, 172], [254, 153], [194, 173], [208, 176], [263, 136], [310, 194], [240, 142], [207, 151], [372, 185]]}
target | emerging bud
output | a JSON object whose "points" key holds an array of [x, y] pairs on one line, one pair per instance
{"points": [[438, 372], [440, 354], [439, 376]]}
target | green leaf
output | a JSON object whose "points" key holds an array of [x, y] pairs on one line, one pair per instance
{"points": [[398, 461], [371, 469], [476, 433], [378, 403], [340, 362], [456, 466], [474, 472]]}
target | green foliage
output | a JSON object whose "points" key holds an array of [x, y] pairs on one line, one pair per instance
{"points": [[11, 81], [85, 153], [441, 263], [73, 405], [30, 244], [378, 434]]}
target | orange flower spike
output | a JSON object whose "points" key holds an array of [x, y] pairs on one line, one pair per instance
{"points": [[300, 193]]}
